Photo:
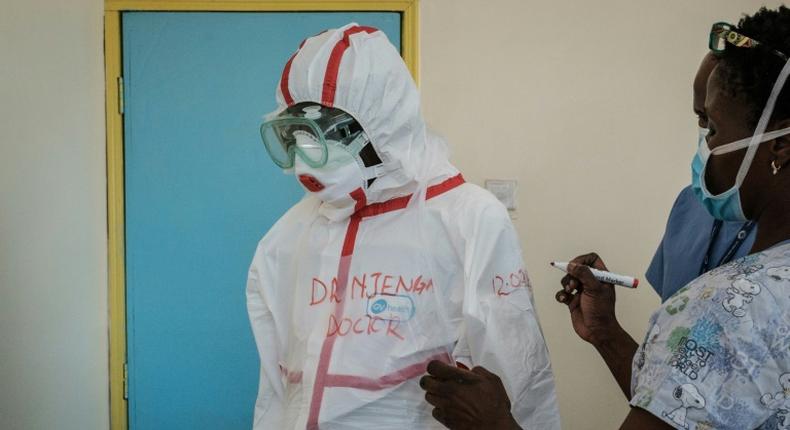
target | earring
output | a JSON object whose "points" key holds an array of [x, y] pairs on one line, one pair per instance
{"points": [[775, 167]]}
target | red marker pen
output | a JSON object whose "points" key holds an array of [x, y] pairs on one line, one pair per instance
{"points": [[603, 276]]}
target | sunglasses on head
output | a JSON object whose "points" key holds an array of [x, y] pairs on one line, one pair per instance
{"points": [[723, 34]]}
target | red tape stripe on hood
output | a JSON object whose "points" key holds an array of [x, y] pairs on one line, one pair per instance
{"points": [[333, 67], [287, 97]]}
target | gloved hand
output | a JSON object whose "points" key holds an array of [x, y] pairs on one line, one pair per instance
{"points": [[467, 399]]}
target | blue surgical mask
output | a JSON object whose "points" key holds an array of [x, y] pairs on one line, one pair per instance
{"points": [[726, 206]]}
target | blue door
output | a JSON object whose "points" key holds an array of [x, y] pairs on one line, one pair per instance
{"points": [[200, 193]]}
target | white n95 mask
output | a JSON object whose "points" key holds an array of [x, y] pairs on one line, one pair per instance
{"points": [[333, 182]]}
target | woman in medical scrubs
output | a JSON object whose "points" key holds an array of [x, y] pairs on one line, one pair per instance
{"points": [[717, 353]]}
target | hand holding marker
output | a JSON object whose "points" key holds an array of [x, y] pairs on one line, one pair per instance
{"points": [[603, 276]]}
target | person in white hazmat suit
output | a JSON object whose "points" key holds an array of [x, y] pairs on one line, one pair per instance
{"points": [[390, 261]]}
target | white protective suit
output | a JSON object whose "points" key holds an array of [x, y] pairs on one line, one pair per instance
{"points": [[348, 305]]}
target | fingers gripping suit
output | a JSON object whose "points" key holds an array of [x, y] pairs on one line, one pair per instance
{"points": [[349, 304]]}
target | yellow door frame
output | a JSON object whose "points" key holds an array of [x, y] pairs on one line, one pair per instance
{"points": [[409, 10]]}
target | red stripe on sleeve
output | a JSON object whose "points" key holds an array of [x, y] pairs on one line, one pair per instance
{"points": [[439, 189]]}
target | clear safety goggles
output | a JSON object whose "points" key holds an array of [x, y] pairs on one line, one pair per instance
{"points": [[307, 130]]}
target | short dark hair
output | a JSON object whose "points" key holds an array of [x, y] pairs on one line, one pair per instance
{"points": [[750, 73]]}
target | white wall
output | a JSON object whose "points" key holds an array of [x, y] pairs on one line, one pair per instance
{"points": [[588, 105], [53, 270]]}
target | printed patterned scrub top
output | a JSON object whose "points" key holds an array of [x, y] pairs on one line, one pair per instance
{"points": [[717, 353]]}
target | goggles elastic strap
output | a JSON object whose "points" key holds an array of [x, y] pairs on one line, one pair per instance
{"points": [[380, 170], [358, 143]]}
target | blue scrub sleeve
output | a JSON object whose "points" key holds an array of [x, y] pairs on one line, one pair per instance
{"points": [[655, 272]]}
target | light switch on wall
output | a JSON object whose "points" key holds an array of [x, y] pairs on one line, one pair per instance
{"points": [[504, 190]]}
